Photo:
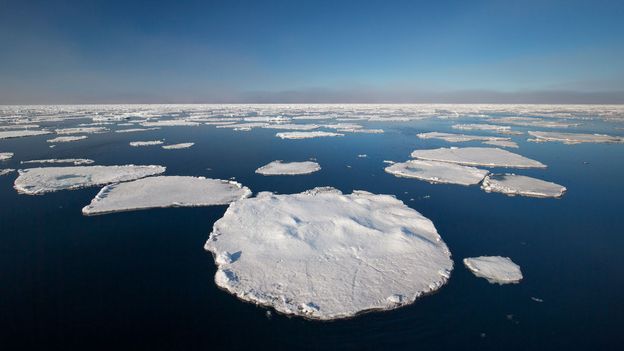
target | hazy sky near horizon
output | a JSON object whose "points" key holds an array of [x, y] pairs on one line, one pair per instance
{"points": [[311, 51]]}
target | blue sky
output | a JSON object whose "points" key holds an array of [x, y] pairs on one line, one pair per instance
{"points": [[311, 51]]}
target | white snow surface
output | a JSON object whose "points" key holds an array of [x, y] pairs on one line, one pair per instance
{"points": [[145, 143], [67, 139], [41, 180], [165, 191], [81, 130], [5, 171], [74, 161], [458, 138], [178, 146], [324, 255], [5, 156], [288, 168], [437, 172], [478, 156], [306, 135], [502, 143], [495, 269], [575, 138], [512, 184], [134, 130], [8, 134]]}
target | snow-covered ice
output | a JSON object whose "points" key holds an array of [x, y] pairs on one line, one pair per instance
{"points": [[512, 184], [290, 126], [575, 138], [458, 138], [5, 156], [502, 143], [306, 135], [170, 123], [289, 168], [74, 161], [134, 130], [67, 139], [495, 269], [5, 171], [165, 191], [81, 130], [9, 134], [41, 180], [478, 156], [146, 143], [178, 146], [324, 255], [437, 172]]}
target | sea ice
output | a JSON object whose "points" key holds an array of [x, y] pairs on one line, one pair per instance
{"points": [[495, 269], [289, 168], [502, 143], [437, 172], [170, 123], [575, 138], [36, 181], [306, 135], [5, 156], [145, 143], [511, 184], [74, 161], [178, 146], [458, 138], [324, 255], [6, 171], [66, 139], [478, 156], [291, 126], [21, 133], [165, 191], [81, 130], [134, 130]]}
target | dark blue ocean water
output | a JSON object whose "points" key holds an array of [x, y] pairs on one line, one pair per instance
{"points": [[141, 280]]}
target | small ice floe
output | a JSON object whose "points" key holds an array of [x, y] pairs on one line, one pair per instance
{"points": [[574, 138], [388, 162], [289, 168], [146, 143], [484, 127], [67, 139], [324, 255], [5, 156], [291, 126], [6, 171], [437, 172], [478, 156], [35, 181], [496, 269], [9, 134], [362, 155], [536, 299], [458, 138], [165, 191], [532, 122], [74, 161], [502, 143], [360, 130], [178, 146], [135, 130], [170, 123], [512, 184], [306, 135], [244, 126], [81, 130]]}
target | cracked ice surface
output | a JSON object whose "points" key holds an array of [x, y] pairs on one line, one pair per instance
{"points": [[478, 156], [496, 269], [324, 255], [437, 172], [35, 181], [165, 191], [288, 168], [512, 184]]}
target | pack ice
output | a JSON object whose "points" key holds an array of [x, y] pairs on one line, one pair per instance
{"points": [[165, 191], [306, 135], [495, 269], [41, 180], [478, 156], [512, 184], [324, 255], [437, 172], [288, 168], [574, 138]]}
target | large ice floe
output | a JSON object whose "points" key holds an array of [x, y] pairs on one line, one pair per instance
{"points": [[5, 156], [478, 156], [9, 134], [146, 143], [178, 146], [324, 255], [574, 138], [512, 184], [66, 139], [496, 269], [458, 138], [502, 143], [165, 191], [306, 135], [437, 172], [288, 168], [35, 181], [74, 161], [81, 130]]}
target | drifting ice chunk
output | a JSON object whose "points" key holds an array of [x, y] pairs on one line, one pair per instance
{"points": [[145, 143], [80, 130], [290, 126], [324, 255], [133, 130], [178, 146], [289, 168], [35, 181], [75, 161], [458, 138], [5, 156], [575, 138], [478, 156], [21, 133], [66, 139], [170, 123], [6, 171], [511, 184], [502, 143], [306, 135], [165, 191], [495, 269], [485, 127], [437, 172]]}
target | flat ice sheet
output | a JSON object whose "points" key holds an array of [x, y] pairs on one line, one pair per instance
{"points": [[437, 172], [289, 168], [74, 161], [458, 138], [5, 156], [81, 130], [165, 191], [66, 139], [178, 146], [512, 184], [478, 156], [496, 269], [9, 134], [5, 171], [575, 138], [146, 143], [35, 181], [306, 135], [502, 143], [324, 255]]}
